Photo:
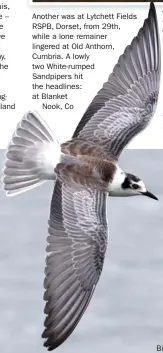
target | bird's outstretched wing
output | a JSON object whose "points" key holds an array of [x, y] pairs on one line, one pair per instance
{"points": [[76, 244], [127, 101], [77, 226]]}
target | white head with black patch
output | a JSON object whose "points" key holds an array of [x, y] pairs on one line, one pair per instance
{"points": [[126, 184], [132, 186]]}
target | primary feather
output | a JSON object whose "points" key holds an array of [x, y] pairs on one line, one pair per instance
{"points": [[127, 101]]}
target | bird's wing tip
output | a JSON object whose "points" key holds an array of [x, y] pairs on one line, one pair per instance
{"points": [[152, 9]]}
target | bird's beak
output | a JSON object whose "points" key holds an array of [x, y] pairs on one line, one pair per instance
{"points": [[149, 194]]}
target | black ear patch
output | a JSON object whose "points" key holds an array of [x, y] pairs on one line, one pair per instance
{"points": [[126, 183], [130, 178]]}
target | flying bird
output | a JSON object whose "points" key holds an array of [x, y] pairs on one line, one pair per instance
{"points": [[85, 171]]}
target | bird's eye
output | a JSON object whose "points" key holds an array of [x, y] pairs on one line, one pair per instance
{"points": [[135, 186]]}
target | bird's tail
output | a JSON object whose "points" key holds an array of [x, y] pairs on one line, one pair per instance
{"points": [[31, 156]]}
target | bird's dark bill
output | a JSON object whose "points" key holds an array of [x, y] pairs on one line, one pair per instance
{"points": [[149, 194]]}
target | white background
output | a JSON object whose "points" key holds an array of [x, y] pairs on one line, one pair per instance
{"points": [[17, 81]]}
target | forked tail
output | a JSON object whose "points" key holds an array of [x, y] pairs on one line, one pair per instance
{"points": [[31, 156]]}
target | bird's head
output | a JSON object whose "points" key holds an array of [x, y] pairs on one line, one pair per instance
{"points": [[126, 184], [132, 185]]}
